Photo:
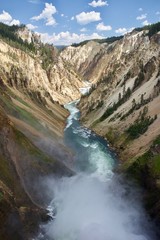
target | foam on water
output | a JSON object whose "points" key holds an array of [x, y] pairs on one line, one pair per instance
{"points": [[85, 90], [73, 112], [88, 208], [93, 205]]}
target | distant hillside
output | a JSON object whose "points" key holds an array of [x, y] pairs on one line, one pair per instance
{"points": [[105, 40], [152, 29]]}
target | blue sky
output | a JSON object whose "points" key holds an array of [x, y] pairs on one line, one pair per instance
{"points": [[63, 22]]}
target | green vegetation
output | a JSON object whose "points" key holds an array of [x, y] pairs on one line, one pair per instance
{"points": [[112, 109], [5, 170], [47, 55], [105, 40], [110, 135], [136, 106], [8, 34], [1, 195], [138, 80], [149, 162], [136, 168], [22, 101], [31, 149], [152, 28], [145, 170], [116, 116], [80, 44], [141, 124], [156, 165], [109, 40], [156, 141], [18, 112]]}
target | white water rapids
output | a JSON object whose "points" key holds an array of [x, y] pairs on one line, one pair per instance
{"points": [[94, 204]]}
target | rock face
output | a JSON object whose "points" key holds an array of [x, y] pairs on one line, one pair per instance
{"points": [[31, 148], [123, 107], [13, 193], [41, 72], [32, 122], [128, 83], [27, 35], [86, 59]]}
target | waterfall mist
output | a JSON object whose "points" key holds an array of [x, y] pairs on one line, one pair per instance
{"points": [[87, 208], [95, 204]]}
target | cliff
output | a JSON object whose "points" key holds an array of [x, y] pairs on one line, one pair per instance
{"points": [[24, 160], [36, 68], [34, 83], [123, 105], [127, 89]]}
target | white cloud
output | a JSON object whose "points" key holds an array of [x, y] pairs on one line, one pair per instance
{"points": [[31, 27], [83, 29], [140, 9], [62, 15], [51, 22], [143, 16], [124, 30], [67, 38], [157, 13], [130, 29], [145, 23], [88, 17], [47, 15], [15, 22], [99, 3], [72, 18], [6, 18], [102, 27], [121, 30]]}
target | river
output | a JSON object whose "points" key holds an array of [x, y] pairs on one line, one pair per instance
{"points": [[95, 204]]}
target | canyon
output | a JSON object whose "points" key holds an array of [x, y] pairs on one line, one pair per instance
{"points": [[122, 106]]}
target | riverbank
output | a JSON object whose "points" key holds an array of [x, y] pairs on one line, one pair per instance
{"points": [[95, 200], [143, 169]]}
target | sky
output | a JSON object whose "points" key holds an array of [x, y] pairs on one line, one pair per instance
{"points": [[63, 22]]}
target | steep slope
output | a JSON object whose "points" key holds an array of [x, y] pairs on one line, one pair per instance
{"points": [[22, 165], [26, 73], [130, 83], [89, 57], [124, 106], [31, 130], [86, 59], [36, 68]]}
